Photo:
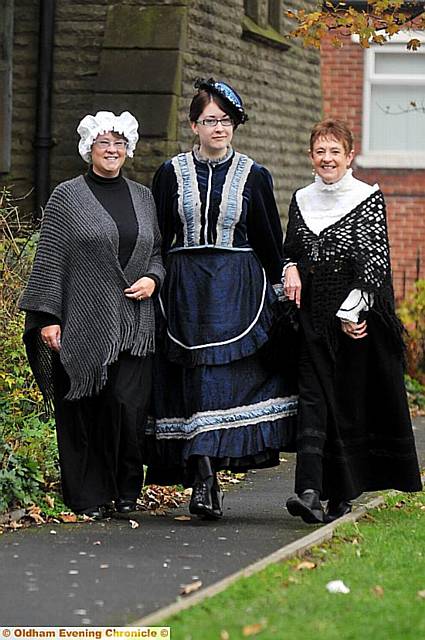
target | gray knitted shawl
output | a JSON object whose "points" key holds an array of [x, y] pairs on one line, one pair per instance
{"points": [[77, 277]]}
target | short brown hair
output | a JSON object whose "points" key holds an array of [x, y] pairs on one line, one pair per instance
{"points": [[331, 128]]}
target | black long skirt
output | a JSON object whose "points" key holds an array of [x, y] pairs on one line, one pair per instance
{"points": [[99, 437], [354, 427]]}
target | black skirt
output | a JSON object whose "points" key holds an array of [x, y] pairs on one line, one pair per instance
{"points": [[99, 437], [354, 427]]}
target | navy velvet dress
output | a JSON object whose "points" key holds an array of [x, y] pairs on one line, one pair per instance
{"points": [[213, 394]]}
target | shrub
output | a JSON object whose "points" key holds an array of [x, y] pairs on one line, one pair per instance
{"points": [[28, 455], [412, 314], [416, 395]]}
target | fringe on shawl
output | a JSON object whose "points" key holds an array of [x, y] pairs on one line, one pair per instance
{"points": [[92, 381]]}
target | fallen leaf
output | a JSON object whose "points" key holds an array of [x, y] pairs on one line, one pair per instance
{"points": [[35, 514], [305, 564], [183, 518], [252, 629], [421, 593], [134, 524], [50, 501], [378, 591], [157, 497], [190, 588], [68, 517], [400, 504]]}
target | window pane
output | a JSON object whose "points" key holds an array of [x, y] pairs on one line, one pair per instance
{"points": [[395, 125], [275, 13], [400, 63], [252, 9]]}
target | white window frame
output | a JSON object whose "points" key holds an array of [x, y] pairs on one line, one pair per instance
{"points": [[389, 159]]}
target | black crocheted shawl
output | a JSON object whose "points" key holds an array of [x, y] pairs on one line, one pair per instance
{"points": [[352, 253]]}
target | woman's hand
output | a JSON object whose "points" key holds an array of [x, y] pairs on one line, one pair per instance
{"points": [[51, 336], [292, 284], [354, 330], [142, 289]]}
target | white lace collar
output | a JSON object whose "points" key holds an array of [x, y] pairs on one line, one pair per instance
{"points": [[346, 182], [212, 161], [321, 204]]}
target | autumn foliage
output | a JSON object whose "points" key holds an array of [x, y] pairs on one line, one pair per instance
{"points": [[374, 21]]}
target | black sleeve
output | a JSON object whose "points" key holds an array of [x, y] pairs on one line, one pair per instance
{"points": [[290, 253], [163, 190], [40, 319], [155, 268], [157, 281], [263, 224]]}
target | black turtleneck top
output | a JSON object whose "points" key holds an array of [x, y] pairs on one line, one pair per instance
{"points": [[114, 196]]}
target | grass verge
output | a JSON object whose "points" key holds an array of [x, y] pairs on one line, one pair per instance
{"points": [[381, 559]]}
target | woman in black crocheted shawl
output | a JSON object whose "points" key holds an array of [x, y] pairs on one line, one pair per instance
{"points": [[90, 319], [354, 428]]}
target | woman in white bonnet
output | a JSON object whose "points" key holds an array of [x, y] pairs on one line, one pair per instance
{"points": [[90, 321]]}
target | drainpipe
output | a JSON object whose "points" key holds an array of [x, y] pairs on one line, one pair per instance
{"points": [[43, 136]]}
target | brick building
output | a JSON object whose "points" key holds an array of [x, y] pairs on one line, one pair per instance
{"points": [[380, 92], [144, 56]]}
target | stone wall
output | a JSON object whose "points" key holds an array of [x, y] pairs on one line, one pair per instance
{"points": [[281, 90], [118, 55]]}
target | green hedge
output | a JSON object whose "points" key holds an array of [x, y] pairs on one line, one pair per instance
{"points": [[28, 453]]}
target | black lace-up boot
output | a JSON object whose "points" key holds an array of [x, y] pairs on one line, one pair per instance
{"points": [[201, 500]]}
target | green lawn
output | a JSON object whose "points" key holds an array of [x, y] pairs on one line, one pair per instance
{"points": [[381, 559]]}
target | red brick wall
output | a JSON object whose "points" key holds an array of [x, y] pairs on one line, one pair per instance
{"points": [[404, 190]]}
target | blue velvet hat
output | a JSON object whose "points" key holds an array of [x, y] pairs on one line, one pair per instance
{"points": [[227, 93]]}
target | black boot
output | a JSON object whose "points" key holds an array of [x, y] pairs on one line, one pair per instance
{"points": [[307, 505], [217, 497], [201, 500], [125, 505], [95, 513], [337, 508]]}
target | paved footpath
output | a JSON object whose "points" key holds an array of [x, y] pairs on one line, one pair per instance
{"points": [[107, 573]]}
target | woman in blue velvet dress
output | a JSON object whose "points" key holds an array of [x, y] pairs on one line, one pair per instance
{"points": [[215, 404]]}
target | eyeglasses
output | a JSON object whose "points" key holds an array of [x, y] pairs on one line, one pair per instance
{"points": [[116, 144], [213, 122]]}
